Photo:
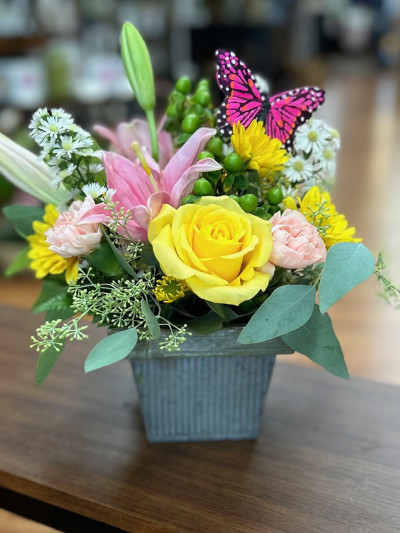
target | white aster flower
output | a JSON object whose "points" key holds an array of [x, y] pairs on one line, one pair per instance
{"points": [[311, 137], [94, 168], [328, 161], [109, 194], [67, 145], [37, 118], [298, 169], [95, 190]]}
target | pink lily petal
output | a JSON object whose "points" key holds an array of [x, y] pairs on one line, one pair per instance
{"points": [[107, 134], [153, 165], [141, 216], [134, 232], [185, 183], [155, 202], [185, 156], [138, 131], [129, 180]]}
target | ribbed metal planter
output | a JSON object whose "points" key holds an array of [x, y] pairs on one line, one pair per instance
{"points": [[213, 390]]}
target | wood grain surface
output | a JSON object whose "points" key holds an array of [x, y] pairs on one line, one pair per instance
{"points": [[327, 459]]}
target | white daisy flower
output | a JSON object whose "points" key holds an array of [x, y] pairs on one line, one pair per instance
{"points": [[94, 189], [310, 137], [109, 194], [298, 169], [328, 161], [334, 139], [95, 168], [53, 126], [66, 146], [37, 118]]}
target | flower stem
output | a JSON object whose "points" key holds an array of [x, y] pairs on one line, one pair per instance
{"points": [[153, 132]]}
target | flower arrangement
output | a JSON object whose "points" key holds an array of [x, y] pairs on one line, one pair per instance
{"points": [[184, 226]]}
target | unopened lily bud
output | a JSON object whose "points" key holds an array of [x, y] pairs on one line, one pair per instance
{"points": [[137, 63]]}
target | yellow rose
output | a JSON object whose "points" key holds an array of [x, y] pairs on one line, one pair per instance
{"points": [[215, 246]]}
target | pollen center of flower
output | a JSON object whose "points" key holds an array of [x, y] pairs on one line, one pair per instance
{"points": [[328, 154], [298, 166], [312, 136]]}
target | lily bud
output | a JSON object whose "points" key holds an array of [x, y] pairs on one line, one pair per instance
{"points": [[138, 68], [24, 170]]}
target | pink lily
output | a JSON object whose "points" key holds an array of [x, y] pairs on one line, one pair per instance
{"points": [[137, 130], [143, 189]]}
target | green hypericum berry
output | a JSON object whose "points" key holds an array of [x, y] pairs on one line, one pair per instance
{"points": [[202, 187], [204, 155], [202, 97], [234, 197], [190, 123], [274, 196], [214, 145], [248, 202], [233, 162], [183, 85], [203, 84], [172, 111]]}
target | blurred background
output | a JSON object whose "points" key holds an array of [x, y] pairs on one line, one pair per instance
{"points": [[66, 53]]}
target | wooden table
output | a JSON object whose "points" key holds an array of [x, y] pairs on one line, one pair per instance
{"points": [[73, 453]]}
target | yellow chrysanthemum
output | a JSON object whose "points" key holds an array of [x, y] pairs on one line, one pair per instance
{"points": [[43, 260], [266, 155], [168, 289], [318, 209]]}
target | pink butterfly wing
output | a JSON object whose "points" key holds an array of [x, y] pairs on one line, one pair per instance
{"points": [[290, 109], [244, 101]]}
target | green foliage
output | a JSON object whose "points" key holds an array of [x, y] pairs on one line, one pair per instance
{"points": [[22, 217], [151, 320], [104, 260], [54, 296], [123, 263], [20, 262], [347, 264], [288, 308], [391, 293], [317, 340], [46, 362], [113, 348], [206, 324]]}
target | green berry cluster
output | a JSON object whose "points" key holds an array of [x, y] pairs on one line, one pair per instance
{"points": [[187, 112]]}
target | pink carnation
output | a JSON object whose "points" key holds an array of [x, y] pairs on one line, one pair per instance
{"points": [[297, 243], [70, 238]]}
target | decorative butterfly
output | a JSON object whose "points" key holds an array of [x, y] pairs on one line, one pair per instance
{"points": [[246, 101]]}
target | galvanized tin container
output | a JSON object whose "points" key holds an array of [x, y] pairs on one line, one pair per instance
{"points": [[214, 389]]}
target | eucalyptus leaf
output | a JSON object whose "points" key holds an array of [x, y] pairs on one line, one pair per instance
{"points": [[206, 324], [20, 262], [22, 217], [347, 264], [288, 308], [151, 320], [113, 348], [317, 340], [46, 362]]}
